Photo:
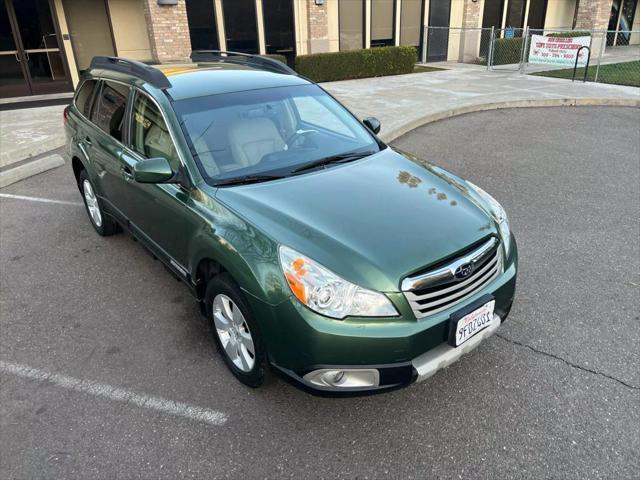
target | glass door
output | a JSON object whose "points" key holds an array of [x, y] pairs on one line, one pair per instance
{"points": [[438, 38], [36, 48], [12, 77]]}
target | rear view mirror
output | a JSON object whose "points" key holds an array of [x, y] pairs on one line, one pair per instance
{"points": [[372, 123], [153, 170]]}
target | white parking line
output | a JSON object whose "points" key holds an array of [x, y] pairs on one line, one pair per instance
{"points": [[212, 417], [39, 199]]}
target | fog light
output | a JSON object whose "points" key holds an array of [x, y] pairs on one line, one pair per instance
{"points": [[343, 378]]}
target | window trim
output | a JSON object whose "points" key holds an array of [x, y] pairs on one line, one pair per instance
{"points": [[125, 115], [134, 90], [93, 104], [90, 99], [185, 172]]}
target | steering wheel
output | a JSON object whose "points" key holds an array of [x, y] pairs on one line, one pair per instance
{"points": [[297, 135]]}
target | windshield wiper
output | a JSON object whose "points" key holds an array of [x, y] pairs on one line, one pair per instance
{"points": [[246, 179], [340, 158]]}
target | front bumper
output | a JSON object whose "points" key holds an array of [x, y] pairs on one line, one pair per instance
{"points": [[402, 349]]}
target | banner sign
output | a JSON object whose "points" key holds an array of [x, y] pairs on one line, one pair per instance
{"points": [[558, 50]]}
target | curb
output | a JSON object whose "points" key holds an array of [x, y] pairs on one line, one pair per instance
{"points": [[481, 107], [29, 169]]}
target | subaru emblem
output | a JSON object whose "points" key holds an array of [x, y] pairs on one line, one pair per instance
{"points": [[464, 270]]}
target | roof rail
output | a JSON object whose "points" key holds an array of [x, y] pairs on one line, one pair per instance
{"points": [[123, 65], [241, 58]]}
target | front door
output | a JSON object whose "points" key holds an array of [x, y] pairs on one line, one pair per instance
{"points": [[162, 214], [438, 38], [31, 57]]}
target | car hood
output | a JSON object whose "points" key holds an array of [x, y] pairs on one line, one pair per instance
{"points": [[372, 221]]}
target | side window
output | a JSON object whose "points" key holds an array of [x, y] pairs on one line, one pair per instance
{"points": [[150, 136], [84, 96], [108, 114], [313, 112]]}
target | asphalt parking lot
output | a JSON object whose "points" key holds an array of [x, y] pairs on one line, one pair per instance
{"points": [[107, 369]]}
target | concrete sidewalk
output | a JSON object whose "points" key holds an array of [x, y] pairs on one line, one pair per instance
{"points": [[27, 140], [401, 103], [404, 102]]}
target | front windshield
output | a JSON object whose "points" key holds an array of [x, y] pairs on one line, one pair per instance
{"points": [[269, 132]]}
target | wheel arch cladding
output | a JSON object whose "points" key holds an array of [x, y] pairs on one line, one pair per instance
{"points": [[77, 166]]}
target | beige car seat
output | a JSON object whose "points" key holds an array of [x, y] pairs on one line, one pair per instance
{"points": [[251, 139]]}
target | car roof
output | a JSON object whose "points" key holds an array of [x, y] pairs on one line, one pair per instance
{"points": [[199, 80], [193, 80]]}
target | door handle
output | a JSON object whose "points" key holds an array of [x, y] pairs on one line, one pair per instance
{"points": [[88, 141], [127, 172]]}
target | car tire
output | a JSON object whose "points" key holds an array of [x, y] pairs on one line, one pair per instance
{"points": [[103, 224], [235, 330]]}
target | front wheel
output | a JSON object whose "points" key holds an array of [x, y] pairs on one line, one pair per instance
{"points": [[104, 225], [235, 331]]}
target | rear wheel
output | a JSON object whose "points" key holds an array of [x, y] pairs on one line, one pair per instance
{"points": [[235, 331], [103, 224]]}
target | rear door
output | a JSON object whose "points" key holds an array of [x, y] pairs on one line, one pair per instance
{"points": [[78, 126], [106, 143]]}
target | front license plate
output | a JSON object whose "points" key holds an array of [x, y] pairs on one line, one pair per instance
{"points": [[471, 324]]}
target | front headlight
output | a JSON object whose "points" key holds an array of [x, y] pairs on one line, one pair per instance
{"points": [[326, 293], [498, 214]]}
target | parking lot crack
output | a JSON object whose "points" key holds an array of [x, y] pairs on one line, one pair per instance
{"points": [[567, 362]]}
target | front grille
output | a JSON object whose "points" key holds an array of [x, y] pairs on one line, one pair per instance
{"points": [[438, 289]]}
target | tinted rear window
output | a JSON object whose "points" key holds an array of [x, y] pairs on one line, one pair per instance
{"points": [[83, 98], [108, 113]]}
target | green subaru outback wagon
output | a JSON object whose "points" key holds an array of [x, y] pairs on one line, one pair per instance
{"points": [[314, 249]]}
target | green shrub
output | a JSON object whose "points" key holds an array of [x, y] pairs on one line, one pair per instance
{"points": [[371, 62], [275, 56], [507, 50], [575, 33]]}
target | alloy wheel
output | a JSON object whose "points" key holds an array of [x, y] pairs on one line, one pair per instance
{"points": [[92, 203], [234, 334]]}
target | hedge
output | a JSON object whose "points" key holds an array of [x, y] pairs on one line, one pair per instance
{"points": [[371, 62], [507, 50], [275, 56], [573, 33]]}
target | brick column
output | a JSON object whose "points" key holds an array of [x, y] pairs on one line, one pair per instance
{"points": [[168, 31], [472, 16], [318, 27], [593, 14], [471, 39]]}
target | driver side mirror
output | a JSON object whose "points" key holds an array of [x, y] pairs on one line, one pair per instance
{"points": [[372, 123], [152, 170]]}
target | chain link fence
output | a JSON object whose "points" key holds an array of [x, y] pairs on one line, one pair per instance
{"points": [[606, 56]]}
